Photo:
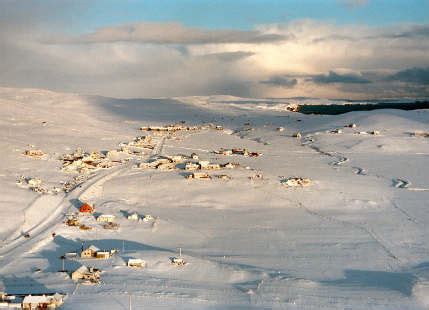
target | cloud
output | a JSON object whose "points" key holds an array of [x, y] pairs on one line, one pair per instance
{"points": [[387, 33], [412, 75], [161, 60], [333, 77], [280, 81], [172, 33]]}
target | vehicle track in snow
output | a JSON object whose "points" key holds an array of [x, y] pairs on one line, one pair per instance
{"points": [[363, 228], [19, 246]]}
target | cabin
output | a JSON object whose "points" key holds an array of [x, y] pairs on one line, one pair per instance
{"points": [[89, 252], [106, 218], [133, 217], [177, 158], [213, 167], [203, 163], [177, 261], [199, 175], [72, 222], [94, 252], [224, 152], [243, 152], [87, 274], [34, 153], [43, 301], [136, 263], [111, 226], [148, 218], [223, 177], [230, 165], [297, 135], [102, 254], [86, 208], [296, 181], [166, 166], [192, 166]]}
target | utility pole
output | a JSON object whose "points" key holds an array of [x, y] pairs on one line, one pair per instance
{"points": [[63, 258], [129, 301]]}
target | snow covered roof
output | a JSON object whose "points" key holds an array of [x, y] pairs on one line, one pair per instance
{"points": [[35, 299], [82, 269], [93, 248], [106, 216]]}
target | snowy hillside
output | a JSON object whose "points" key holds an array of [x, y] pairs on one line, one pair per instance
{"points": [[355, 237]]}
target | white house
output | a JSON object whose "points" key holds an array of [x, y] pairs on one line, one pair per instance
{"points": [[106, 218], [136, 263], [133, 217]]}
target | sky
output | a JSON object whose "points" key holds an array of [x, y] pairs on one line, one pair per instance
{"points": [[352, 49]]}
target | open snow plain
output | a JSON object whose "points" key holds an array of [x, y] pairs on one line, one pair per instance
{"points": [[356, 238]]}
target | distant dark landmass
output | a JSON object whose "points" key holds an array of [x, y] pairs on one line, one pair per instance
{"points": [[334, 109]]}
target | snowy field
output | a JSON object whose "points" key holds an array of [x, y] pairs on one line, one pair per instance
{"points": [[357, 237]]}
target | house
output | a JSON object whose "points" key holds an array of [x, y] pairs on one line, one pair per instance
{"points": [[230, 165], [111, 226], [166, 166], [109, 218], [243, 152], [224, 152], [297, 135], [148, 218], [213, 166], [89, 252], [192, 166], [133, 217], [296, 181], [223, 177], [34, 153], [136, 263], [43, 301], [199, 175], [87, 274], [103, 254], [203, 163], [177, 158], [72, 222], [177, 261], [86, 208]]}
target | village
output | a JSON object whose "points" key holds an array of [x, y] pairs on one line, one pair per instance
{"points": [[83, 165], [82, 265]]}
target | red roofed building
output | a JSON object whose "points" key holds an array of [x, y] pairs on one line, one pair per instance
{"points": [[86, 208]]}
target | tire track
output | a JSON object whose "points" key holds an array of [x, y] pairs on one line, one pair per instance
{"points": [[363, 228], [20, 246]]}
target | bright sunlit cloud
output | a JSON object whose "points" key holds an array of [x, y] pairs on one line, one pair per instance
{"points": [[305, 57]]}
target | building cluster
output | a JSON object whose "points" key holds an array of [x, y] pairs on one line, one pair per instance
{"points": [[36, 185], [82, 162], [237, 151], [171, 128]]}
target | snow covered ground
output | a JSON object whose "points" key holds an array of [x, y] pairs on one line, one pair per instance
{"points": [[356, 238]]}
